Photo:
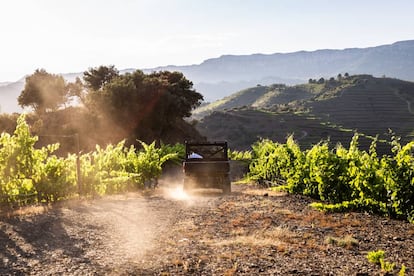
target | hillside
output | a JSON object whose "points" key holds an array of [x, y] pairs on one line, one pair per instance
{"points": [[334, 109], [219, 77], [261, 97]]}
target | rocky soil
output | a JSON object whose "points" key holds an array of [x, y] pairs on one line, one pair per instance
{"points": [[166, 232]]}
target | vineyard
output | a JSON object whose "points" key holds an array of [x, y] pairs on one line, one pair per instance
{"points": [[342, 179], [164, 231], [34, 175]]}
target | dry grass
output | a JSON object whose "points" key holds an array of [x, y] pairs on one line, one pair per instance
{"points": [[25, 211], [187, 224], [323, 220], [347, 242], [261, 192], [320, 219], [285, 212], [262, 238]]}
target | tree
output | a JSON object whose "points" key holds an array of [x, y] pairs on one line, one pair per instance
{"points": [[43, 91], [96, 78], [75, 88], [145, 106], [180, 98]]}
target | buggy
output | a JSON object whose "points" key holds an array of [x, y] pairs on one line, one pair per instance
{"points": [[207, 165]]}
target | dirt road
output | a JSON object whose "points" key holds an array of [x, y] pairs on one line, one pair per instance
{"points": [[167, 232]]}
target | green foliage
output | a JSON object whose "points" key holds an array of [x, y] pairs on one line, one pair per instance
{"points": [[99, 167], [144, 106], [343, 179], [96, 78], [375, 257], [58, 179], [386, 266], [240, 155], [178, 151], [44, 91], [326, 179], [378, 257], [117, 169], [347, 241], [400, 180], [20, 163], [29, 174], [272, 161], [402, 270]]}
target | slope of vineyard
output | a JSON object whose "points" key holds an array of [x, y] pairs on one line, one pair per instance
{"points": [[258, 97], [371, 106], [318, 110], [244, 127]]}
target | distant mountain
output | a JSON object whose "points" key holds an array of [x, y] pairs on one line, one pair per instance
{"points": [[333, 109], [219, 77], [8, 97], [395, 60], [4, 83]]}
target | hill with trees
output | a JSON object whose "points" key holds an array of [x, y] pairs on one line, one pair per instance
{"points": [[331, 108]]}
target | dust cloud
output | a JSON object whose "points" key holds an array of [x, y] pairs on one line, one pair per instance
{"points": [[106, 234], [123, 228], [171, 187], [126, 225], [176, 193], [132, 223]]}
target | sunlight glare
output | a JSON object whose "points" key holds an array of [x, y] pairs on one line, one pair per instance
{"points": [[177, 193]]}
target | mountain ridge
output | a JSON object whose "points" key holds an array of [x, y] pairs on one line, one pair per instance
{"points": [[219, 77]]}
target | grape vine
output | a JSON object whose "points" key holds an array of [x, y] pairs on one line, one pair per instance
{"points": [[29, 174], [341, 178]]}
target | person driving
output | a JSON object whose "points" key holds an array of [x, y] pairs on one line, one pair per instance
{"points": [[195, 156]]}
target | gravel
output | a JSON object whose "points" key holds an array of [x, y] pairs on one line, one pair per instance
{"points": [[166, 232]]}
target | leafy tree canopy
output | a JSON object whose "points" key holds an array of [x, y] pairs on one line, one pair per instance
{"points": [[145, 105], [44, 91], [96, 78]]}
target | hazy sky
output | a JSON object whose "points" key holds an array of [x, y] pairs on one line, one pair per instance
{"points": [[64, 36]]}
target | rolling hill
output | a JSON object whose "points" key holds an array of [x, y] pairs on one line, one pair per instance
{"points": [[334, 110]]}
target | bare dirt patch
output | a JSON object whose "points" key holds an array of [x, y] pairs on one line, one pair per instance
{"points": [[166, 232]]}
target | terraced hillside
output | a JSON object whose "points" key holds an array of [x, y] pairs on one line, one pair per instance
{"points": [[332, 109], [262, 97], [243, 127], [372, 106]]}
